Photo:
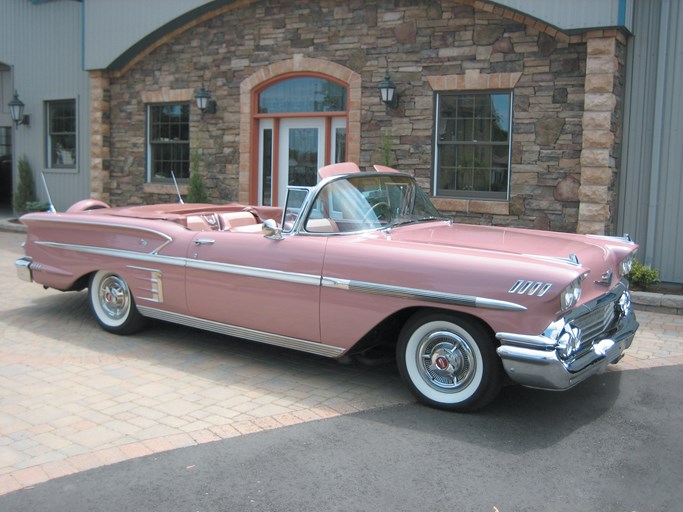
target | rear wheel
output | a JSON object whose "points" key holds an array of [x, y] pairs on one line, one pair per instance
{"points": [[448, 362], [113, 304]]}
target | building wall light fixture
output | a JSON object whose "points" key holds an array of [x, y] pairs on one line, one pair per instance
{"points": [[16, 110], [205, 103], [387, 92]]}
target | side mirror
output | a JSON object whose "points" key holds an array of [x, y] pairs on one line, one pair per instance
{"points": [[271, 230]]}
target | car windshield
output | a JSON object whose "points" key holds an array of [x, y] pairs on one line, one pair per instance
{"points": [[369, 201]]}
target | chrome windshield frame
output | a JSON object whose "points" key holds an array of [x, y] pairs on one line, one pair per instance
{"points": [[313, 193]]}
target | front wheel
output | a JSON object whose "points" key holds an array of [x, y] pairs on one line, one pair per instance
{"points": [[448, 362], [113, 305]]}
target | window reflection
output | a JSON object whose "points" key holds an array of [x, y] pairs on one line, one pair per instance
{"points": [[473, 145], [304, 94]]}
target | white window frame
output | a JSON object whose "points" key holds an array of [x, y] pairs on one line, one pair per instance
{"points": [[149, 142], [51, 164]]}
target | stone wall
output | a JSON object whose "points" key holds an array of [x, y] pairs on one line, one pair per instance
{"points": [[426, 46]]}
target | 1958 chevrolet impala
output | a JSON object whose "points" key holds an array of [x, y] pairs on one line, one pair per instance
{"points": [[361, 260]]}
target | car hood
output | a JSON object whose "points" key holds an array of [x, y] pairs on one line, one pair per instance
{"points": [[522, 242], [572, 254]]}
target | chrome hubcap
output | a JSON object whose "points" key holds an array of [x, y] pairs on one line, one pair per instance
{"points": [[114, 297], [446, 361]]}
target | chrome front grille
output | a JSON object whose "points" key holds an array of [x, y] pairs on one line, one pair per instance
{"points": [[596, 322]]}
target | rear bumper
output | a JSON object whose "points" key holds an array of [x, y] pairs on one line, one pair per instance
{"points": [[535, 361], [23, 268]]}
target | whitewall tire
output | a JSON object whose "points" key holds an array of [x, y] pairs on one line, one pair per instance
{"points": [[448, 361], [112, 304]]}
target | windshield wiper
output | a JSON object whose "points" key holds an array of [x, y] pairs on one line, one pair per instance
{"points": [[403, 222]]}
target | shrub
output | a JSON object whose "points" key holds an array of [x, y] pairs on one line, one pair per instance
{"points": [[37, 206], [387, 149], [642, 276], [196, 191], [26, 188]]}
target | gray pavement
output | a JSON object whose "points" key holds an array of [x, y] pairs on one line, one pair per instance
{"points": [[75, 398], [612, 446]]}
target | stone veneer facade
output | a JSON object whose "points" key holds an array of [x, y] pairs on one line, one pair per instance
{"points": [[566, 89]]}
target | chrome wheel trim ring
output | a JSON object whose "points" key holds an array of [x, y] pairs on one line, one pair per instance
{"points": [[114, 297], [446, 361]]}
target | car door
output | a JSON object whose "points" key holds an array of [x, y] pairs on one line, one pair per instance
{"points": [[250, 281]]}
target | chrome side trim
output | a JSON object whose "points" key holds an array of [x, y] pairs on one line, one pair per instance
{"points": [[128, 227], [154, 283], [298, 278], [572, 259], [625, 238], [226, 268], [262, 273], [151, 256], [400, 292], [531, 288], [242, 332]]}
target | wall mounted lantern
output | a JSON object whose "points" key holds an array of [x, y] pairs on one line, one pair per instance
{"points": [[387, 92], [16, 110], [204, 102]]}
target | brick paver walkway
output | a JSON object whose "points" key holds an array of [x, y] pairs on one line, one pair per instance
{"points": [[74, 397]]}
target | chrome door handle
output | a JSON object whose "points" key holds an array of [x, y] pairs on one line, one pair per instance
{"points": [[204, 241]]}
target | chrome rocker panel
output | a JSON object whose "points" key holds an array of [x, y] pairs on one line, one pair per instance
{"points": [[533, 361], [242, 332]]}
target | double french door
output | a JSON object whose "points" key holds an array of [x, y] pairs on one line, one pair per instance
{"points": [[291, 150]]}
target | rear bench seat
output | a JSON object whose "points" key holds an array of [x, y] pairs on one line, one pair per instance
{"points": [[222, 221], [237, 219]]}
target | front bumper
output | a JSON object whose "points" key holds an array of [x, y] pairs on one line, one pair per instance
{"points": [[23, 268], [535, 361]]}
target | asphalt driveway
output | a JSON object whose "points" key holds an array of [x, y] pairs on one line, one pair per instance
{"points": [[612, 446]]}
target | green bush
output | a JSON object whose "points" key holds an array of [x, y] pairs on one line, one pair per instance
{"points": [[387, 149], [37, 206], [26, 188], [196, 191], [642, 276]]}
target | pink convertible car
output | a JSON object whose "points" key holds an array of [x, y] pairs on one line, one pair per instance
{"points": [[359, 261]]}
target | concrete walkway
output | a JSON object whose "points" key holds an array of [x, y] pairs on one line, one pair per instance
{"points": [[74, 397]]}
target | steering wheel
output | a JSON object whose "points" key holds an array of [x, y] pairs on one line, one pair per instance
{"points": [[289, 220], [213, 220], [373, 209]]}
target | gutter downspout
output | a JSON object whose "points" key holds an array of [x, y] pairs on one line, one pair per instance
{"points": [[655, 170]]}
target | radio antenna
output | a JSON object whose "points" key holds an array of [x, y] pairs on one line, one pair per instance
{"points": [[180, 198], [50, 207]]}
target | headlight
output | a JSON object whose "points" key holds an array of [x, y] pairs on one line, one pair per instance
{"points": [[569, 341], [626, 265], [625, 303], [570, 295]]}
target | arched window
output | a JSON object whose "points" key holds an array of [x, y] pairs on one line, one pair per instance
{"points": [[303, 94]]}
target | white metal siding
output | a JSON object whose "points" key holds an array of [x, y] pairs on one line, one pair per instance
{"points": [[651, 184], [111, 28], [577, 14], [42, 45]]}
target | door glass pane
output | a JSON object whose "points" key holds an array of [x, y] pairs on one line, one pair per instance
{"points": [[303, 156], [267, 170], [340, 145]]}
